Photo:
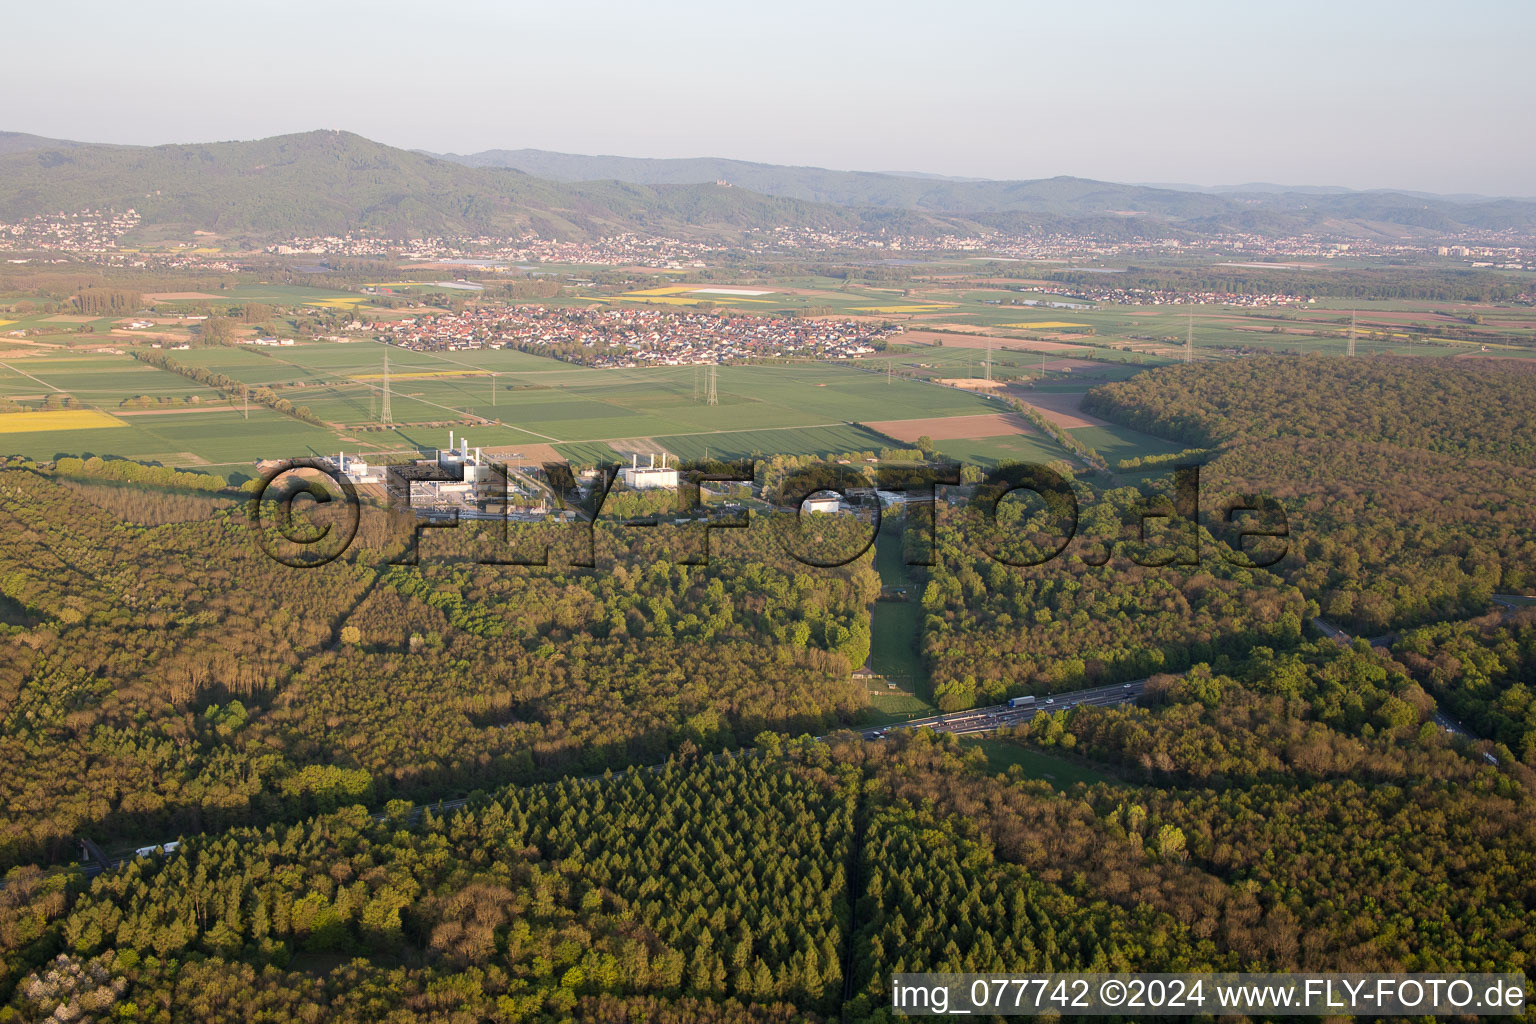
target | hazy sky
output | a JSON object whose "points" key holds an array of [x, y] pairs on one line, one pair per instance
{"points": [[1433, 96]]}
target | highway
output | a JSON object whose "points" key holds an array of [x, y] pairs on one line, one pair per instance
{"points": [[998, 716], [1508, 604], [973, 721]]}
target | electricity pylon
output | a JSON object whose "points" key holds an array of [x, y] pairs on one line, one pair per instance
{"points": [[1351, 350], [385, 416], [1189, 341], [713, 399]]}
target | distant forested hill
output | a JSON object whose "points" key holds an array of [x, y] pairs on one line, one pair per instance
{"points": [[21, 142], [334, 182], [1262, 209], [329, 182]]}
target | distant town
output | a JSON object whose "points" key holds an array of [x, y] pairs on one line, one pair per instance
{"points": [[97, 235], [631, 337]]}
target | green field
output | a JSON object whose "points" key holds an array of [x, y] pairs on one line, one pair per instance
{"points": [[895, 625], [526, 399], [990, 451], [100, 380], [223, 440], [1116, 442], [834, 439], [1036, 764]]}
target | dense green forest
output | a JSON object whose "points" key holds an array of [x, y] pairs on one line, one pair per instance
{"points": [[1406, 483], [1482, 411], [993, 630], [161, 673], [1297, 812], [1484, 673]]}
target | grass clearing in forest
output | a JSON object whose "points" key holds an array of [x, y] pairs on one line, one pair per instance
{"points": [[1003, 754]]}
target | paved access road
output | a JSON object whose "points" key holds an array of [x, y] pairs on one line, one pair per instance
{"points": [[998, 716]]}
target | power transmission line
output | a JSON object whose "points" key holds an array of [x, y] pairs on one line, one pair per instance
{"points": [[1189, 342], [1351, 349], [714, 399]]}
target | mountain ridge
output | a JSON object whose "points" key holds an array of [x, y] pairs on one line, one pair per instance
{"points": [[332, 182]]}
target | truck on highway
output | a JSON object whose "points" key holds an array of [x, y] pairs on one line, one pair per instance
{"points": [[1021, 702]]}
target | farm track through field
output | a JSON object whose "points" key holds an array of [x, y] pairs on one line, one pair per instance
{"points": [[436, 405], [27, 375], [707, 433]]}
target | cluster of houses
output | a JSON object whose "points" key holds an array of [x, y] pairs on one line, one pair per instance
{"points": [[1172, 297], [83, 231], [633, 337], [1074, 247], [622, 250]]}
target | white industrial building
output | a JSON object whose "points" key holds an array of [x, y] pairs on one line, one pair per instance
{"points": [[471, 466], [821, 503], [356, 469], [642, 478]]}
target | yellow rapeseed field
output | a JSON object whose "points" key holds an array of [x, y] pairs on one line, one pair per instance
{"points": [[665, 300], [424, 374], [902, 309], [56, 419], [672, 290]]}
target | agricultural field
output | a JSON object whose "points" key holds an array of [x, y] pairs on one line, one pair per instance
{"points": [[224, 440], [54, 420], [515, 398], [100, 380], [1115, 442], [988, 452], [945, 306], [739, 444], [1043, 354]]}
